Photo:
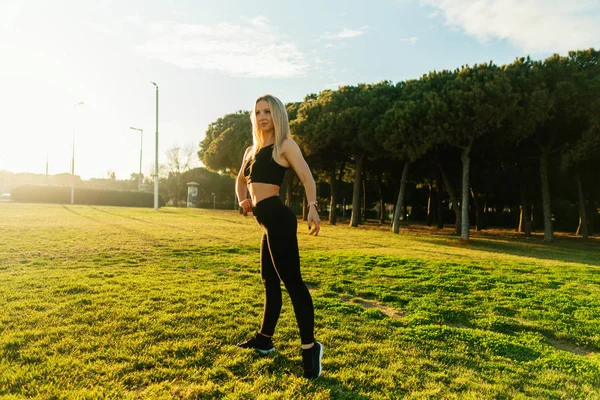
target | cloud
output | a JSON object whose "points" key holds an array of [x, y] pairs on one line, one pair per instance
{"points": [[260, 22], [254, 50], [411, 40], [346, 33], [531, 25]]}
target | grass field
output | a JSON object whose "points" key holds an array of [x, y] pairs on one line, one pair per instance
{"points": [[107, 302]]}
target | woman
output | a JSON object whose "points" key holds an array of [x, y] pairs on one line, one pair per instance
{"points": [[263, 168]]}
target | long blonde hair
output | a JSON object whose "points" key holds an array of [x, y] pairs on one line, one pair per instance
{"points": [[280, 123]]}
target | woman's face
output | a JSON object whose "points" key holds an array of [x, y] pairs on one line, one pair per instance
{"points": [[263, 117]]}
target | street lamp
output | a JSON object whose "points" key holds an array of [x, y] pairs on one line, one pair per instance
{"points": [[156, 154], [214, 201], [141, 146], [73, 156]]}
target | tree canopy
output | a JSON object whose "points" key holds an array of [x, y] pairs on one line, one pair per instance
{"points": [[358, 138]]}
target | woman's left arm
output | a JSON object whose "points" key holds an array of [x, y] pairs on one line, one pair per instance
{"points": [[292, 154]]}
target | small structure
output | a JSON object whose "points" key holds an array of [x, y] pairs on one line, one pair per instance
{"points": [[192, 195]]}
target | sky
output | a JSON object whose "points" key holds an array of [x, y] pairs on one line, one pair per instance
{"points": [[211, 58]]}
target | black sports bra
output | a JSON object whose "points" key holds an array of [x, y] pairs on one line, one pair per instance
{"points": [[264, 169]]}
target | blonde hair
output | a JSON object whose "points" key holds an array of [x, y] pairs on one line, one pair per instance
{"points": [[280, 123]]}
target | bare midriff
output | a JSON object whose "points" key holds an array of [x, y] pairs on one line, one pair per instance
{"points": [[260, 191]]}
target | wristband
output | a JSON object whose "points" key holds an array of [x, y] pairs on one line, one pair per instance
{"points": [[314, 203]]}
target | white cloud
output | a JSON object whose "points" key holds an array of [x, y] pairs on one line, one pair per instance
{"points": [[411, 40], [346, 33], [255, 50], [531, 25], [260, 22]]}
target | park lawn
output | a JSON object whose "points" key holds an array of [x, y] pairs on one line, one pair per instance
{"points": [[109, 302]]}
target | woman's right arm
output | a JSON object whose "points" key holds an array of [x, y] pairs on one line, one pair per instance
{"points": [[241, 187]]}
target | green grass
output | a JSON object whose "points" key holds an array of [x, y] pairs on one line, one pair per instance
{"points": [[107, 302]]}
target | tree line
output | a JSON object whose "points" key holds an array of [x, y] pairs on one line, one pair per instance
{"points": [[477, 138], [214, 190]]}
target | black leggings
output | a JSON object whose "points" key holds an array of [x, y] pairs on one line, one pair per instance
{"points": [[280, 260]]}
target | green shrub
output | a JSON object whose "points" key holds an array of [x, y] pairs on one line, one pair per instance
{"points": [[62, 194]]}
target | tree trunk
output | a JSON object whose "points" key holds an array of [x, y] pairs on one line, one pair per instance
{"points": [[466, 163], [394, 211], [304, 207], [520, 224], [355, 218], [333, 195], [400, 202], [583, 224], [440, 203], [525, 215], [453, 199], [364, 197], [546, 206], [430, 206], [381, 203], [340, 180]]}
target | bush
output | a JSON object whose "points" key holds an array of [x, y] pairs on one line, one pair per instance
{"points": [[104, 197]]}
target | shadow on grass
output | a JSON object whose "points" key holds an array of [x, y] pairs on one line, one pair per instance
{"points": [[563, 249], [175, 227], [117, 227], [282, 365], [338, 389]]}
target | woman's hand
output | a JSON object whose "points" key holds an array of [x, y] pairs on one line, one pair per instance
{"points": [[313, 217], [246, 205]]}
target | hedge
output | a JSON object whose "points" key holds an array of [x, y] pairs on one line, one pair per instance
{"points": [[100, 197]]}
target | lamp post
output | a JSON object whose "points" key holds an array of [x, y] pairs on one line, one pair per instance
{"points": [[156, 155], [141, 146], [214, 201], [73, 155]]}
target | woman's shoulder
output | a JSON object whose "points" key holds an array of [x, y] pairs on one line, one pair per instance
{"points": [[288, 144]]}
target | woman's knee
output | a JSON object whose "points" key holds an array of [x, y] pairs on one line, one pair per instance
{"points": [[270, 283], [296, 287]]}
